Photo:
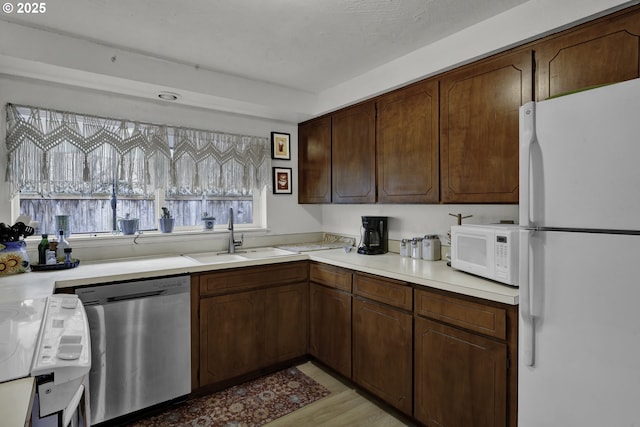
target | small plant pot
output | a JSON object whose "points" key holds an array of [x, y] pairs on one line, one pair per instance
{"points": [[166, 224], [208, 223], [128, 225]]}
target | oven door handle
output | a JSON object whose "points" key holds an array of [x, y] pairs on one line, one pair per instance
{"points": [[73, 406]]}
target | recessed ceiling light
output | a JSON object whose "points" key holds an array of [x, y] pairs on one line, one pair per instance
{"points": [[168, 96]]}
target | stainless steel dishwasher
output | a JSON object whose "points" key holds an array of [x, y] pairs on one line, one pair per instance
{"points": [[140, 344]]}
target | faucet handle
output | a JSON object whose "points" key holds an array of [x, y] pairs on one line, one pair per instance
{"points": [[239, 242]]}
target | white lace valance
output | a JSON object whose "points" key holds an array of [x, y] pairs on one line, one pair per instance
{"points": [[55, 152], [218, 164]]}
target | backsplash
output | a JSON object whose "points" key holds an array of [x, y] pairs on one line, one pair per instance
{"points": [[408, 221]]}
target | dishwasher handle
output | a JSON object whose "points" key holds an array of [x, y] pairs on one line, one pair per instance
{"points": [[140, 295], [134, 290]]}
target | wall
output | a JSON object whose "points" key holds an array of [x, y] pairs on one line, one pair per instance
{"points": [[406, 221]]}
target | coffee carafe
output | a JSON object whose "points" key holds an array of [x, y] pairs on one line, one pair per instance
{"points": [[375, 235]]}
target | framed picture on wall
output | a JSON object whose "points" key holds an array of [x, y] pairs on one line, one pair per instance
{"points": [[281, 180], [280, 146]]}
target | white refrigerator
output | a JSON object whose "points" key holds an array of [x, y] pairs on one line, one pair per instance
{"points": [[579, 326]]}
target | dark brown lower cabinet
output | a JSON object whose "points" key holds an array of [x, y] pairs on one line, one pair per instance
{"points": [[246, 320], [382, 341], [230, 328], [460, 377], [330, 327], [286, 317], [441, 358], [465, 360]]}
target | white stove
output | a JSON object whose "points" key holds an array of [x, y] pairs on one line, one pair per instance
{"points": [[62, 358], [48, 339]]}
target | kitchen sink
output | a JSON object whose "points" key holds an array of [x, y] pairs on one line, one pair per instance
{"points": [[214, 258], [240, 255], [257, 253]]}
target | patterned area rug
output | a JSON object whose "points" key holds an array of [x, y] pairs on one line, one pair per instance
{"points": [[253, 403]]}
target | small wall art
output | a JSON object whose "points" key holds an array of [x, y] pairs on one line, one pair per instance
{"points": [[280, 146], [281, 180]]}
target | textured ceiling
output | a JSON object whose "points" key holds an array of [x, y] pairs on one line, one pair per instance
{"points": [[309, 45]]}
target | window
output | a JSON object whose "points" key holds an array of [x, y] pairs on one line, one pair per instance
{"points": [[83, 166]]}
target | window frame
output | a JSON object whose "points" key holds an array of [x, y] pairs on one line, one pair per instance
{"points": [[258, 195]]}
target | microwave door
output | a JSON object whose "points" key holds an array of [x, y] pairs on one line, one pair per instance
{"points": [[473, 253]]}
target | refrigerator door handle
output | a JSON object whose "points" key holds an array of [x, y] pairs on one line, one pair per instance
{"points": [[527, 329], [527, 139]]}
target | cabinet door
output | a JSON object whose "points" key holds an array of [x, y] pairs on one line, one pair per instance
{"points": [[353, 153], [230, 328], [330, 327], [407, 145], [382, 342], [479, 129], [286, 320], [460, 378], [605, 51], [314, 161]]}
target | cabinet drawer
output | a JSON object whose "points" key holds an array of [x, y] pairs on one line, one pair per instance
{"points": [[221, 282], [470, 315], [392, 292], [332, 276]]}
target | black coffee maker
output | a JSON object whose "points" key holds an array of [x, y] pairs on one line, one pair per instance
{"points": [[375, 235]]}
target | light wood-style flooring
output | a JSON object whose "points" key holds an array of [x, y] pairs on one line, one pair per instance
{"points": [[343, 407]]}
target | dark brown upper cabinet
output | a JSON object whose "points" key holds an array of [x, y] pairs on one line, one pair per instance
{"points": [[407, 144], [314, 161], [597, 53], [470, 122], [479, 128], [353, 154]]}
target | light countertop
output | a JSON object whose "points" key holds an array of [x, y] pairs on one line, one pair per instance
{"points": [[38, 284], [16, 401], [434, 274]]}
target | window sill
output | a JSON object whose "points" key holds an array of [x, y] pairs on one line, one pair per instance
{"points": [[151, 237]]}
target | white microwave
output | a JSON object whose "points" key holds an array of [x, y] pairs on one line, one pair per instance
{"points": [[489, 251]]}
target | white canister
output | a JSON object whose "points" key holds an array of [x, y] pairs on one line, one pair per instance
{"points": [[431, 247], [416, 247], [404, 247]]}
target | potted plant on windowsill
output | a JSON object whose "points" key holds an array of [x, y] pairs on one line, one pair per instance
{"points": [[208, 221], [166, 222]]}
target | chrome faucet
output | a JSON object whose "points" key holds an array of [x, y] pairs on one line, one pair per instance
{"points": [[233, 243]]}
